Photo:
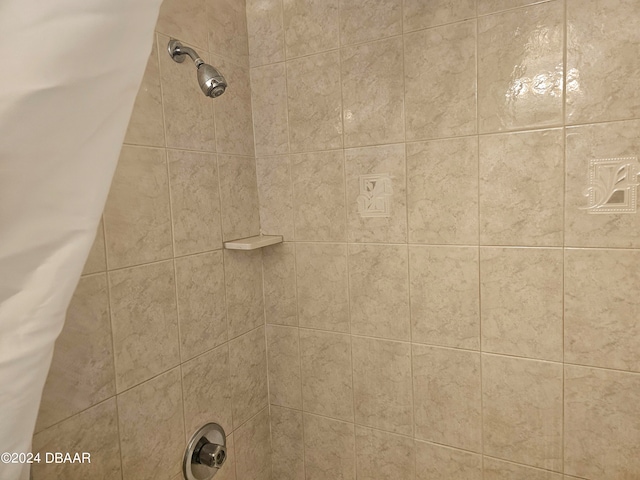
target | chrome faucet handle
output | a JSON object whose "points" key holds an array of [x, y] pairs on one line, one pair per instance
{"points": [[212, 455]]}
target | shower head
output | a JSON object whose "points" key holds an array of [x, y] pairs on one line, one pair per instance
{"points": [[211, 81]]}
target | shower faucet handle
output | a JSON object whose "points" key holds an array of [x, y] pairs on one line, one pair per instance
{"points": [[212, 455]]}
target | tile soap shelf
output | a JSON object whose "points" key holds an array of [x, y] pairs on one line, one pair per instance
{"points": [[253, 243]]}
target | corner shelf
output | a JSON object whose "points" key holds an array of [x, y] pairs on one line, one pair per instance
{"points": [[253, 243]]}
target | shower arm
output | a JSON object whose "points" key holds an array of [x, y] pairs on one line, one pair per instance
{"points": [[178, 51]]}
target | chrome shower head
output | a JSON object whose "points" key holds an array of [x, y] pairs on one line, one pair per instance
{"points": [[211, 81]]}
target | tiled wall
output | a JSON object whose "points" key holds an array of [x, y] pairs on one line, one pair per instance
{"points": [[489, 326], [166, 329]]}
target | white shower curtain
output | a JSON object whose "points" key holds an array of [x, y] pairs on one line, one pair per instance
{"points": [[69, 73]]}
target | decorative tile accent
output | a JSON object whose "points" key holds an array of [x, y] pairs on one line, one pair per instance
{"points": [[375, 195], [613, 185]]}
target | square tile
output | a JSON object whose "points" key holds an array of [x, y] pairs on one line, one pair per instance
{"points": [[522, 409], [445, 303], [601, 325], [81, 372], [367, 20], [376, 177], [310, 26], [520, 68], [288, 440], [314, 99], [144, 322], [95, 431], [602, 423], [521, 291], [381, 455], [373, 92], [326, 374], [521, 184], [603, 66], [436, 462], [379, 290], [269, 107], [382, 384], [323, 290], [243, 277], [152, 410], [447, 389], [275, 193], [137, 218], [248, 366], [329, 449], [195, 202], [419, 14], [266, 31], [584, 145], [319, 196], [279, 270], [202, 310], [442, 191], [283, 350], [440, 81], [252, 443]]}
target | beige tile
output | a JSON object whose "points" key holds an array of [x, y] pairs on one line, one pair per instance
{"points": [[152, 410], [81, 373], [379, 289], [314, 100], [275, 192], [266, 31], [238, 197], [498, 470], [601, 313], [137, 220], [318, 196], [279, 269], [326, 374], [288, 441], [232, 111], [252, 443], [522, 410], [245, 305], [603, 68], [195, 202], [207, 391], [329, 449], [436, 462], [146, 125], [491, 6], [227, 22], [363, 199], [445, 304], [381, 455], [96, 261], [248, 365], [447, 389], [373, 93], [420, 14], [94, 431], [602, 423], [184, 20], [202, 312], [187, 111], [382, 384], [442, 191], [269, 104], [144, 322], [283, 349], [310, 26], [367, 20], [592, 142], [520, 79], [440, 81], [522, 302], [521, 201], [323, 298]]}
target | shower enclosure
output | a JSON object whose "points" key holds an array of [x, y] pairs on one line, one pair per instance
{"points": [[457, 293]]}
